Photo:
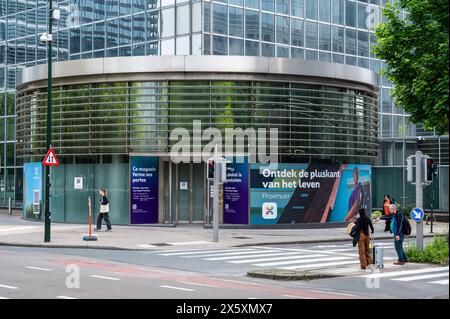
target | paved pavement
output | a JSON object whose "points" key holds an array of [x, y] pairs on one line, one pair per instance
{"points": [[15, 231]]}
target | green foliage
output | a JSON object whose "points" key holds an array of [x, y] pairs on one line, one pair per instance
{"points": [[416, 53], [436, 252], [376, 214]]}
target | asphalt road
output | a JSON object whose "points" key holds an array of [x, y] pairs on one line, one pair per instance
{"points": [[88, 273]]}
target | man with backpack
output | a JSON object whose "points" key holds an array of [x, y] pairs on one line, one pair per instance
{"points": [[400, 228]]}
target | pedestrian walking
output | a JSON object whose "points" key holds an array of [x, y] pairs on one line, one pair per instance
{"points": [[363, 223], [104, 211], [397, 221], [387, 217]]}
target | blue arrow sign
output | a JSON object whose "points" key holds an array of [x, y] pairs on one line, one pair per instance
{"points": [[417, 214]]}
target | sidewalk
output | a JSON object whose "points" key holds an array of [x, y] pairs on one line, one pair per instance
{"points": [[17, 232]]}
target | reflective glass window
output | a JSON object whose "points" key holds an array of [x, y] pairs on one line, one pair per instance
{"points": [[311, 55], [268, 27], [112, 8], [99, 9], [236, 23], [183, 47], [183, 18], [99, 36], [139, 6], [351, 60], [282, 52], [297, 32], [325, 37], [197, 17], [325, 10], [168, 23], [168, 47], [311, 9], [112, 32], [125, 7], [350, 41], [268, 50], [338, 39], [237, 2], [220, 46], [363, 16], [206, 17], [297, 53], [125, 31], [350, 13], [220, 19], [252, 4], [251, 24], [268, 5], [297, 8], [283, 6], [337, 11], [138, 28], [86, 38], [125, 51], [338, 58], [251, 48], [324, 56], [152, 25], [74, 41], [138, 50], [236, 47], [363, 43], [282, 30], [311, 35]]}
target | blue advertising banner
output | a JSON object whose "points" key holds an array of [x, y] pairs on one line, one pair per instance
{"points": [[32, 191], [308, 193], [235, 194], [144, 189]]}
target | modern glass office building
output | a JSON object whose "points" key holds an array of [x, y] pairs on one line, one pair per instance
{"points": [[308, 69]]}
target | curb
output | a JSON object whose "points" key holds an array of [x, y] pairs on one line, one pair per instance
{"points": [[288, 276], [68, 246]]}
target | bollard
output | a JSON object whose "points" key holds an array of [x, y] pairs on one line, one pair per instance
{"points": [[9, 206], [90, 237]]}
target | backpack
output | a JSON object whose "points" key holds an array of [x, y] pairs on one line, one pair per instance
{"points": [[406, 227]]}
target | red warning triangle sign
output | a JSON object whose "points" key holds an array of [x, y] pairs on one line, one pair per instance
{"points": [[50, 159]]}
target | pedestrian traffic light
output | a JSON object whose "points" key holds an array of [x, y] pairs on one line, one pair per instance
{"points": [[409, 169], [210, 168], [429, 170]]}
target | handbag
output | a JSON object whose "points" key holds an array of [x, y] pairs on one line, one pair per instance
{"points": [[104, 208]]}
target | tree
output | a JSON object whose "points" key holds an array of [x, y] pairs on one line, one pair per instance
{"points": [[416, 53]]}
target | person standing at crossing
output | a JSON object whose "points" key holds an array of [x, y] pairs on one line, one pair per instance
{"points": [[104, 211], [363, 223]]}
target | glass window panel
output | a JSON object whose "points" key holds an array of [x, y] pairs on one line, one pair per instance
{"points": [[168, 47], [168, 23], [125, 51], [311, 55], [268, 50], [373, 43], [139, 6], [364, 63], [386, 101], [112, 8], [297, 53], [152, 25], [183, 18], [282, 30], [236, 46], [220, 46], [338, 39], [337, 11], [297, 8], [139, 50], [325, 10], [206, 17], [110, 53], [86, 38], [99, 9], [311, 35], [283, 6], [138, 28], [74, 41], [237, 2], [220, 19], [197, 17], [268, 5], [112, 32], [183, 46], [325, 57], [350, 13], [99, 36], [125, 7], [350, 42], [282, 52], [252, 4], [351, 60], [251, 24], [125, 30], [197, 44], [324, 37], [362, 16], [363, 43], [311, 9], [338, 58], [251, 48], [207, 44], [297, 32], [152, 48], [268, 27], [236, 22]]}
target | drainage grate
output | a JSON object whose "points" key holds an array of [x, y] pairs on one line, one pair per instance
{"points": [[161, 244], [241, 237]]}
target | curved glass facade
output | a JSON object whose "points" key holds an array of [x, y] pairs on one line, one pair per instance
{"points": [[314, 122]]}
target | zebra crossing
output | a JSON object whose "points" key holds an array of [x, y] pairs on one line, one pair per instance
{"points": [[428, 275], [314, 257]]}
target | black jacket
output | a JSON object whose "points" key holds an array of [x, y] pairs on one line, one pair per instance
{"points": [[364, 224], [104, 200]]}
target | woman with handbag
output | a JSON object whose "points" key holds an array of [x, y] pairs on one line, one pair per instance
{"points": [[104, 210]]}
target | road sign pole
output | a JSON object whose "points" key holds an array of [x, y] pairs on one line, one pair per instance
{"points": [[49, 125], [419, 199], [216, 197]]}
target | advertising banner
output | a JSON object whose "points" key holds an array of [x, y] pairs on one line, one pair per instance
{"points": [[235, 194], [308, 193], [32, 181], [144, 189]]}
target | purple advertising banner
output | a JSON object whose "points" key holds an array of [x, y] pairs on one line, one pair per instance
{"points": [[235, 194], [143, 189]]}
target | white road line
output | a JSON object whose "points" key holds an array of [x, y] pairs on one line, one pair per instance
{"points": [[297, 256], [321, 265], [245, 253], [299, 261], [239, 282], [333, 293], [38, 268], [197, 284], [177, 288], [405, 272], [65, 297], [103, 277], [412, 278], [168, 251], [297, 297], [440, 282], [154, 270], [252, 256], [183, 243], [8, 287], [203, 252]]}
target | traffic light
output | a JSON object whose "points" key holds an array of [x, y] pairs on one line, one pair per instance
{"points": [[429, 170], [211, 166]]}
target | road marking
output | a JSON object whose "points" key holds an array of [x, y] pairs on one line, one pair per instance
{"points": [[154, 270], [321, 265], [404, 272], [240, 282], [300, 261], [230, 254], [297, 297], [177, 288], [203, 252], [297, 256], [333, 293], [65, 297], [182, 243], [38, 268], [103, 277], [412, 278], [261, 255], [8, 287], [197, 284], [440, 282]]}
